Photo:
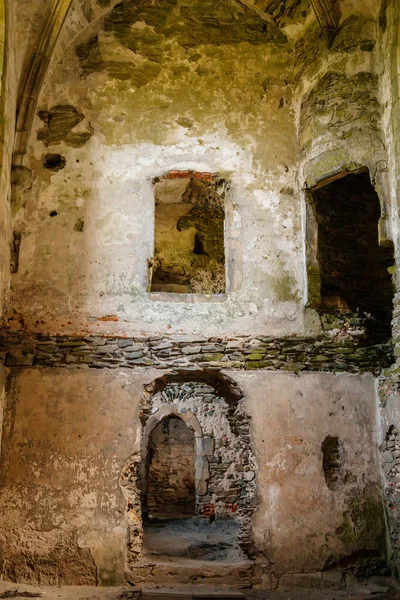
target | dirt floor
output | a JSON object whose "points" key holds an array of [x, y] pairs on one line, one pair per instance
{"points": [[370, 589], [193, 538]]}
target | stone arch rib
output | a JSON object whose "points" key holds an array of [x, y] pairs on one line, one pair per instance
{"points": [[34, 74], [326, 18]]}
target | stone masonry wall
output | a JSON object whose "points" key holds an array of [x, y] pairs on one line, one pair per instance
{"points": [[389, 382], [230, 467], [64, 516], [170, 473], [346, 347]]}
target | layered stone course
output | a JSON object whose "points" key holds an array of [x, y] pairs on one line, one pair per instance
{"points": [[391, 470], [342, 353]]}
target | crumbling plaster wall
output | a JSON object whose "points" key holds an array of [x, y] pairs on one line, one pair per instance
{"points": [[389, 384], [7, 123], [291, 416], [159, 99], [339, 107], [180, 107], [69, 433], [338, 99], [66, 439]]}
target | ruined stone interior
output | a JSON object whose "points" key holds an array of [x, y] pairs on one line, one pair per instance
{"points": [[353, 266], [189, 255], [199, 293]]}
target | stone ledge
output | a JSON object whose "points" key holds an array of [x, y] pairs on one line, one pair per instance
{"points": [[294, 354]]}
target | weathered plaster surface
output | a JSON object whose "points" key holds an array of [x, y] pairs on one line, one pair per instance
{"points": [[157, 93], [389, 22], [129, 99], [68, 435], [7, 122], [65, 443], [193, 109], [301, 524]]}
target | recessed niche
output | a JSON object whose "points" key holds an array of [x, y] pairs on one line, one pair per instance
{"points": [[347, 267], [54, 162], [171, 491], [331, 460], [189, 246]]}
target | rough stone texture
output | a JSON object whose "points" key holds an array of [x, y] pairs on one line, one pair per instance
{"points": [[189, 253], [256, 95], [389, 27], [60, 123], [170, 473], [353, 267], [225, 479], [69, 432], [346, 346]]}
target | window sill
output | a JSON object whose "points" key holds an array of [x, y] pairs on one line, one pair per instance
{"points": [[186, 298]]}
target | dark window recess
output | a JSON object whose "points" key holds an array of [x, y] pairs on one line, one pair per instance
{"points": [[189, 253], [171, 489], [55, 162], [331, 460], [353, 266], [15, 247]]}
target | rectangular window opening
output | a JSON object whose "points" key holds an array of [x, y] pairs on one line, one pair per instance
{"points": [[189, 248], [347, 267]]}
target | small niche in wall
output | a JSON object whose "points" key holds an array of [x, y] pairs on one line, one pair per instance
{"points": [[347, 267], [332, 460], [189, 247]]}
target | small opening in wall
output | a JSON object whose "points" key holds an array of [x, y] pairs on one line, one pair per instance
{"points": [[189, 250], [331, 460], [352, 267], [55, 162]]}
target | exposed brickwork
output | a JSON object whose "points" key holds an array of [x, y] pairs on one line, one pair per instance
{"points": [[204, 177]]}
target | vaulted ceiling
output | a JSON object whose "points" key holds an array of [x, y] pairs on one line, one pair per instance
{"points": [[42, 23]]}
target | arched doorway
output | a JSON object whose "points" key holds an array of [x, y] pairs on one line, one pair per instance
{"points": [[171, 486], [209, 405]]}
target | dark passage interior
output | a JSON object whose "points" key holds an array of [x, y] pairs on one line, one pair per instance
{"points": [[331, 460], [189, 254], [353, 266], [171, 490]]}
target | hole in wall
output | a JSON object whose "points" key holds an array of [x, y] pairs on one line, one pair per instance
{"points": [[189, 250], [331, 460], [353, 266], [14, 251], [54, 162], [80, 224], [53, 213]]}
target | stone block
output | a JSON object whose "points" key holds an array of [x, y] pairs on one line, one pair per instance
{"points": [[19, 359], [204, 446]]}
